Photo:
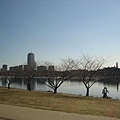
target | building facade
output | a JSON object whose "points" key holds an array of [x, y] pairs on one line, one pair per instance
{"points": [[41, 68], [31, 60], [4, 67]]}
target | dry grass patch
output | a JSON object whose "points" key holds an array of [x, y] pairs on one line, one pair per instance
{"points": [[61, 102]]}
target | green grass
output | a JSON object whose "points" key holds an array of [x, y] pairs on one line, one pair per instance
{"points": [[61, 102]]}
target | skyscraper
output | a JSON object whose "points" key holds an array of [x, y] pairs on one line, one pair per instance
{"points": [[31, 60], [116, 64], [4, 68]]}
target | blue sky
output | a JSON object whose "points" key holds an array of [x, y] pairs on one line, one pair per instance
{"points": [[55, 29]]}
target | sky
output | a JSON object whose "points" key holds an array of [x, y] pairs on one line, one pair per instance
{"points": [[56, 29]]}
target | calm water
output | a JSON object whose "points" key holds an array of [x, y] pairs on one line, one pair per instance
{"points": [[72, 87]]}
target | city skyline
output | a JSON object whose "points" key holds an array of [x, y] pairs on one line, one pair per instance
{"points": [[59, 29], [31, 62]]}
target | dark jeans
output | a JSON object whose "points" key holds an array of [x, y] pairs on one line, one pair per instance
{"points": [[105, 95]]}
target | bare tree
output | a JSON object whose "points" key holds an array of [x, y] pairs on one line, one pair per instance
{"points": [[28, 74], [55, 78], [88, 70], [11, 76], [11, 80], [5, 78]]}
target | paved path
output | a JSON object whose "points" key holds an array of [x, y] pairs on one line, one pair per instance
{"points": [[8, 112]]}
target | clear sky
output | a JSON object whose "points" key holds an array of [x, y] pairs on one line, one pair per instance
{"points": [[55, 29]]}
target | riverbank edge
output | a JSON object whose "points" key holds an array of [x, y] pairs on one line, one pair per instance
{"points": [[51, 98]]}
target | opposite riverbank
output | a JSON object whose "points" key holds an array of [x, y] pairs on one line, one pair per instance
{"points": [[61, 102]]}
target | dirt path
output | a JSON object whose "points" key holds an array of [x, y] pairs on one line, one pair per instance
{"points": [[8, 112]]}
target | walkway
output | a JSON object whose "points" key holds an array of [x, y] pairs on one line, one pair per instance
{"points": [[8, 112]]}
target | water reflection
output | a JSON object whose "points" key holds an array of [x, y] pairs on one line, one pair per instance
{"points": [[72, 87]]}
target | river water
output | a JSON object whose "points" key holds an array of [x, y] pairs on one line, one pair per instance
{"points": [[71, 87]]}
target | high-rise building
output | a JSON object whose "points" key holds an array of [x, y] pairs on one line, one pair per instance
{"points": [[116, 64], [31, 60], [4, 68]]}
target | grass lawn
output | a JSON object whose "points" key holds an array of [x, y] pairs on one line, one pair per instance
{"points": [[61, 102]]}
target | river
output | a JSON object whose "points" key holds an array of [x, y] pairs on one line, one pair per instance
{"points": [[71, 87]]}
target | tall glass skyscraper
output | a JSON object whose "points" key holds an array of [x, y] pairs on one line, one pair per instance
{"points": [[31, 60]]}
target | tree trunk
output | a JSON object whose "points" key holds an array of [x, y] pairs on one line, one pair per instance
{"points": [[55, 90], [28, 86], [8, 85], [87, 93]]}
